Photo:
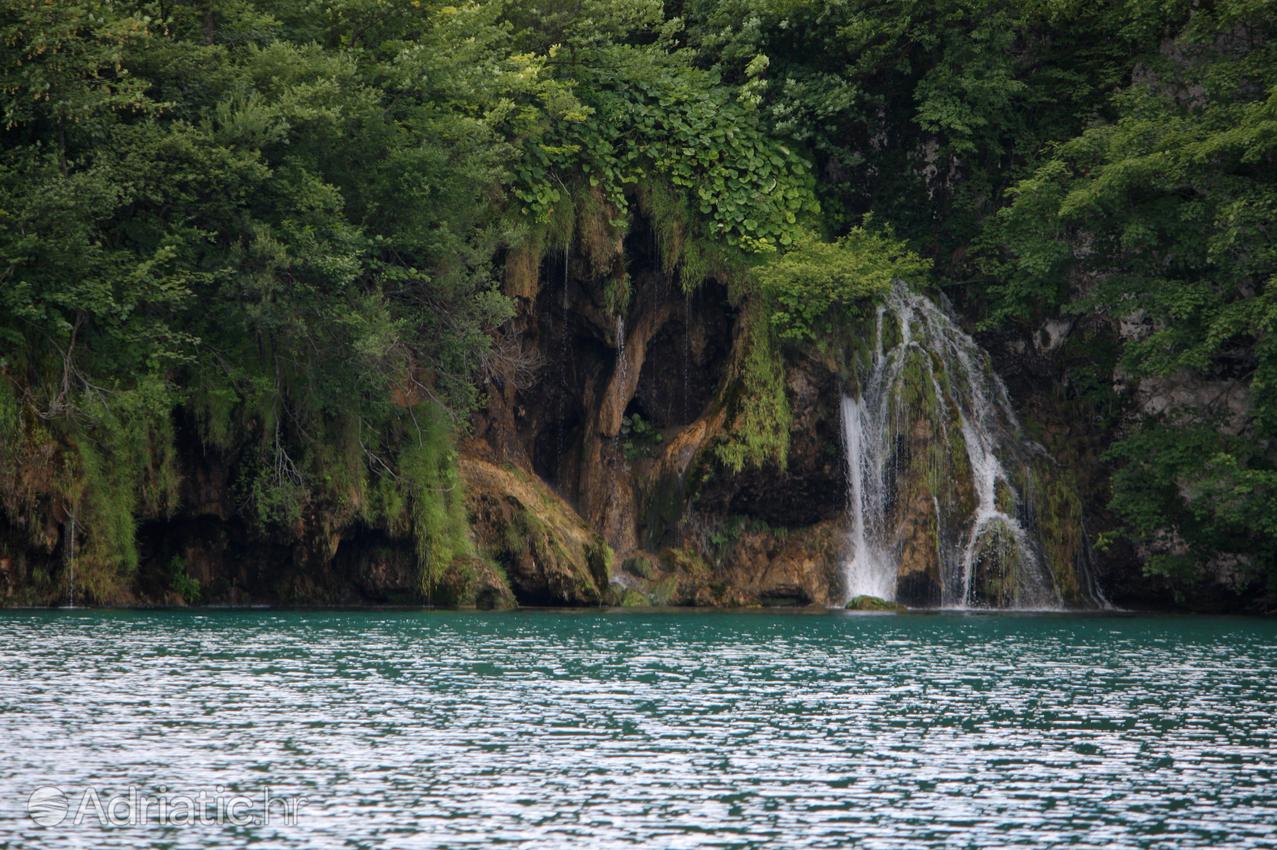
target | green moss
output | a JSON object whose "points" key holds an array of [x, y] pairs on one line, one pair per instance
{"points": [[214, 407], [916, 389], [683, 247], [1004, 498], [861, 346], [759, 413], [424, 498], [634, 599], [560, 226], [873, 603], [122, 464], [687, 571], [599, 557], [472, 582], [667, 592], [181, 583], [998, 566], [639, 567], [891, 336], [959, 490], [616, 294], [1058, 515]]}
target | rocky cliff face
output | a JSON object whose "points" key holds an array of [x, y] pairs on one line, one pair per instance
{"points": [[1076, 401], [548, 555], [617, 409], [207, 551]]}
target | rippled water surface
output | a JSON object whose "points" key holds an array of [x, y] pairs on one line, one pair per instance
{"points": [[412, 729]]}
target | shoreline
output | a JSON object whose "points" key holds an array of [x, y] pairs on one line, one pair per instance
{"points": [[810, 610]]}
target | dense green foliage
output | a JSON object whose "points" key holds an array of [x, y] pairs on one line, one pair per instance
{"points": [[270, 231], [818, 285], [1163, 220], [644, 117], [922, 111]]}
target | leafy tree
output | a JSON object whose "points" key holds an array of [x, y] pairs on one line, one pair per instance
{"points": [[1161, 221], [205, 218]]}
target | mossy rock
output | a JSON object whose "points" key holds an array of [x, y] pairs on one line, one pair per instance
{"points": [[548, 555], [873, 603], [639, 567], [634, 599], [474, 583], [999, 566]]}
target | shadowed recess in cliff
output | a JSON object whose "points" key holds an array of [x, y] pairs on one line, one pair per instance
{"points": [[949, 504]]}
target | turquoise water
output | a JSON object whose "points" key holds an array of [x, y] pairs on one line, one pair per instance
{"points": [[543, 729]]}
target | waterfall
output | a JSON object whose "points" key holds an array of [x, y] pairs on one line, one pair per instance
{"points": [[942, 501], [871, 571], [620, 347]]}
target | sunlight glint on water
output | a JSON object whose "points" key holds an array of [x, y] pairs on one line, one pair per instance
{"points": [[665, 730]]}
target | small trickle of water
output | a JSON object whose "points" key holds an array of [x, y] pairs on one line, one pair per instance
{"points": [[564, 359], [687, 354], [620, 348], [70, 558]]}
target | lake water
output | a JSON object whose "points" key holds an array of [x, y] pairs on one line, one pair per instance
{"points": [[611, 729]]}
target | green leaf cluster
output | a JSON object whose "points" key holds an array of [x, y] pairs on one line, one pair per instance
{"points": [[819, 286], [643, 117], [639, 437]]}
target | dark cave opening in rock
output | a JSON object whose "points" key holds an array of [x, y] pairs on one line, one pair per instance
{"points": [[555, 445], [637, 408], [687, 358]]}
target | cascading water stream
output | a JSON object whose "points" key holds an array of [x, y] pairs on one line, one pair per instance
{"points": [[871, 571], [70, 558], [948, 516]]}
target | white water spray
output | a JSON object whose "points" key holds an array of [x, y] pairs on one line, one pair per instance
{"points": [[870, 570]]}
